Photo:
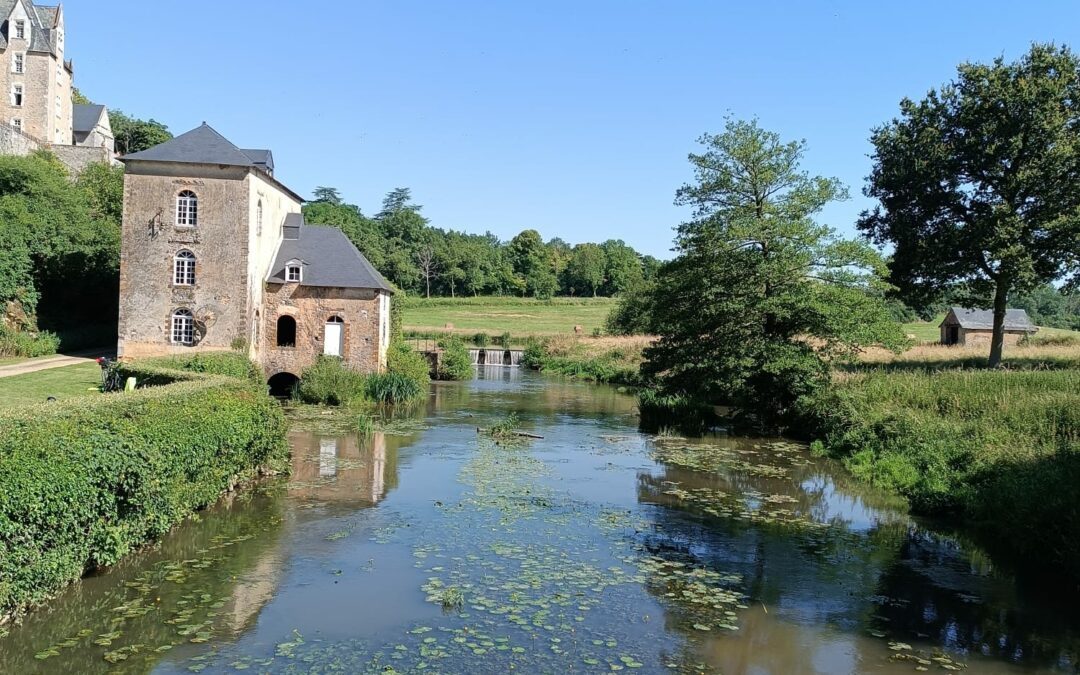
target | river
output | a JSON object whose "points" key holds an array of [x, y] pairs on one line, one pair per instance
{"points": [[428, 547]]}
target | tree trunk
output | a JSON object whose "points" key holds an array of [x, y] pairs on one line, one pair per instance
{"points": [[997, 340], [428, 280]]}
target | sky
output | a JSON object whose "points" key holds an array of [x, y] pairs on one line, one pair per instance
{"points": [[574, 118]]}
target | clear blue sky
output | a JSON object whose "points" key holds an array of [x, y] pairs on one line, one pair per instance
{"points": [[571, 117]]}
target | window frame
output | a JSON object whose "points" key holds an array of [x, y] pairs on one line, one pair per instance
{"points": [[16, 123], [294, 267], [20, 29], [18, 65], [182, 325], [259, 219], [184, 268], [187, 209], [18, 94]]}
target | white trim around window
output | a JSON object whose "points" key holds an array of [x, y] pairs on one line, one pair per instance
{"points": [[294, 273], [183, 327], [187, 209], [184, 268]]}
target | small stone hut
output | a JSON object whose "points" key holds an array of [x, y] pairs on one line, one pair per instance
{"points": [[976, 326]]}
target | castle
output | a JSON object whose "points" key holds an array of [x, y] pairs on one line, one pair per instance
{"points": [[39, 84], [215, 254]]}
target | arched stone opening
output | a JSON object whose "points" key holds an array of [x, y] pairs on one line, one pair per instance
{"points": [[286, 331], [282, 384]]}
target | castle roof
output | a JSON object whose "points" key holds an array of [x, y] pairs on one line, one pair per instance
{"points": [[328, 257], [42, 29], [204, 145], [85, 117], [983, 319]]}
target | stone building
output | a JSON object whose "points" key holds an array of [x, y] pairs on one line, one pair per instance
{"points": [[38, 83], [963, 326], [215, 254]]}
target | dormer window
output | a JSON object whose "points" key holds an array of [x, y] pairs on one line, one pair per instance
{"points": [[293, 272], [20, 29]]}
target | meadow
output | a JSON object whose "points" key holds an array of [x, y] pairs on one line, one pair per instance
{"points": [[521, 317]]}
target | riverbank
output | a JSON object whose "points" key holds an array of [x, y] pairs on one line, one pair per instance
{"points": [[520, 317], [609, 360], [998, 450], [87, 481]]}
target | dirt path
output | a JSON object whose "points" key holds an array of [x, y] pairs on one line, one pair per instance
{"points": [[58, 361]]}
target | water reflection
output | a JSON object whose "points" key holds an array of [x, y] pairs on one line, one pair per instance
{"points": [[342, 469]]}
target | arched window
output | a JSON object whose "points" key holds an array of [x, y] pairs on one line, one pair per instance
{"points": [[187, 209], [184, 268], [334, 337], [258, 219], [183, 327], [286, 331]]}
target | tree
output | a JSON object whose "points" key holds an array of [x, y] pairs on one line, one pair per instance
{"points": [[977, 183], [134, 135], [328, 195], [103, 185], [429, 266], [585, 271], [760, 296], [532, 264], [624, 270]]}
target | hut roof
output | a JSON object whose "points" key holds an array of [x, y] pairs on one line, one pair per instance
{"points": [[983, 319]]}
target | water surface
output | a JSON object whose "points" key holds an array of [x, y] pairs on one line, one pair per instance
{"points": [[431, 548]]}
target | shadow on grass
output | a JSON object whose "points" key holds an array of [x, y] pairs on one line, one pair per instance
{"points": [[1022, 363]]}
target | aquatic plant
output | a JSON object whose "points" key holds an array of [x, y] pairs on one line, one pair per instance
{"points": [[455, 362], [391, 388], [330, 382]]}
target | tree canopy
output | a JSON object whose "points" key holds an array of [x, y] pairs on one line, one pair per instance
{"points": [[760, 295], [977, 184]]}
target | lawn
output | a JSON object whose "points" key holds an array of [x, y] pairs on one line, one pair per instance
{"points": [[62, 383], [519, 316]]}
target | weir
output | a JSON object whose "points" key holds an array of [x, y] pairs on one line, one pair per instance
{"points": [[506, 358]]}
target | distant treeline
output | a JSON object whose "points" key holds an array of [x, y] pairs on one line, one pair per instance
{"points": [[429, 261]]}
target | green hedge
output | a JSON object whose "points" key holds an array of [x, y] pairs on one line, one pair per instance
{"points": [[26, 344], [85, 482]]}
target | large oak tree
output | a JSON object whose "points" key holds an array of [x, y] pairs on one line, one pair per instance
{"points": [[979, 183]]}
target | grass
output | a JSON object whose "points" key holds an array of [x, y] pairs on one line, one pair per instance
{"points": [[61, 383], [522, 317], [601, 359]]}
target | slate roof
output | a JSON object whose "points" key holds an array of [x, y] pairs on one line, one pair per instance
{"points": [[263, 158], [329, 259], [41, 34], [201, 145], [85, 117], [983, 319]]}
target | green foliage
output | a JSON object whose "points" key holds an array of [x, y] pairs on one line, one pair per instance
{"points": [[229, 364], [616, 366], [89, 480], [330, 382], [659, 411], [1000, 449], [455, 364], [103, 185], [135, 135], [585, 271], [760, 297], [27, 344], [505, 340], [405, 361], [990, 206], [481, 340], [506, 428], [392, 388], [634, 313]]}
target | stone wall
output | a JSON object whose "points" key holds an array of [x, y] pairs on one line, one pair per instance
{"points": [[76, 158], [13, 142], [969, 337], [150, 240], [311, 307]]}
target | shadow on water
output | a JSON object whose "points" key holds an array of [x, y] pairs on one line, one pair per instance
{"points": [[427, 546]]}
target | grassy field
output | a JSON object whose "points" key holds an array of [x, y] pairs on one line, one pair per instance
{"points": [[520, 317], [62, 383]]}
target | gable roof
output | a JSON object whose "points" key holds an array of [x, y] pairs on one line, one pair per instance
{"points": [[85, 117], [201, 145], [262, 158], [42, 24], [983, 319], [329, 259]]}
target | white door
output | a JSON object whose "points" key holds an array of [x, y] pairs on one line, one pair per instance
{"points": [[332, 344]]}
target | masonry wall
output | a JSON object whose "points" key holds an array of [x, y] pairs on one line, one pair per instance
{"points": [[149, 241], [14, 143], [969, 337], [311, 307], [77, 158]]}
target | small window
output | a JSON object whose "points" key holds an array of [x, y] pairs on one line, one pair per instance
{"points": [[258, 219], [20, 63], [17, 95], [293, 273], [20, 29], [184, 269], [17, 123], [187, 209], [286, 331], [183, 327]]}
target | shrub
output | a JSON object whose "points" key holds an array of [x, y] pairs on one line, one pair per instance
{"points": [[391, 388], [331, 382], [229, 364], [455, 364], [660, 411], [89, 480], [481, 340], [405, 361], [27, 344], [504, 340]]}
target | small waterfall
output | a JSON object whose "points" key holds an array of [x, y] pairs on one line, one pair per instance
{"points": [[474, 354], [515, 358], [492, 357]]}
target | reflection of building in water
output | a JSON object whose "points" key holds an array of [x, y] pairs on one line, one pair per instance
{"points": [[342, 468]]}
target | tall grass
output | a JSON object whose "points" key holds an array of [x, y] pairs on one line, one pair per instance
{"points": [[998, 449], [392, 388]]}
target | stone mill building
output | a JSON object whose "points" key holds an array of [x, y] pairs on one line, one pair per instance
{"points": [[215, 255]]}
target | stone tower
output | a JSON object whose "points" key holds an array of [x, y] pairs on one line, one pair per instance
{"points": [[35, 78]]}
